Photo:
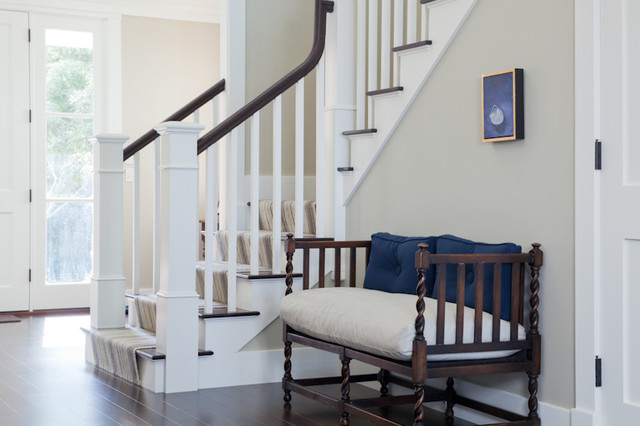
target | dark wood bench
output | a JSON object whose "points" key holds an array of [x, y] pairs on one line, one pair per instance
{"points": [[522, 348]]}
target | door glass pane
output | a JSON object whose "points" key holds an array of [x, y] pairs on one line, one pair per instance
{"points": [[69, 242], [69, 158], [69, 58]]}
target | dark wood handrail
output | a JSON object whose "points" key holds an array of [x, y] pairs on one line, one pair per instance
{"points": [[320, 28], [179, 115]]}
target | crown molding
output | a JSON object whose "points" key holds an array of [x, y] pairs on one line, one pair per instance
{"points": [[182, 10]]}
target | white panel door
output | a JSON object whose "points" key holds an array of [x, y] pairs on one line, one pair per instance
{"points": [[14, 161], [620, 108]]}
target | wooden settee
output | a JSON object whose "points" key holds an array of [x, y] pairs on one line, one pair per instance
{"points": [[453, 340]]}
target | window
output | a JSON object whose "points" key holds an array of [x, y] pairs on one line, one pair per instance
{"points": [[69, 73]]}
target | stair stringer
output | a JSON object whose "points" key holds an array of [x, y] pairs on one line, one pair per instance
{"points": [[228, 335], [446, 18]]}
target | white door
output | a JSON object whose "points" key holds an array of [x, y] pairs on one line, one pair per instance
{"points": [[66, 52], [620, 109], [14, 161]]}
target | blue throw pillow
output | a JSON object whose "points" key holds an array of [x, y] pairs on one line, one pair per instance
{"points": [[392, 265], [449, 244]]}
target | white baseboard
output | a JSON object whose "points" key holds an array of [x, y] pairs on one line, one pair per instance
{"points": [[549, 414], [252, 367], [582, 417]]}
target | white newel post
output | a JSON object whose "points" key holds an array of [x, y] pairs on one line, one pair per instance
{"points": [[107, 281], [177, 307]]}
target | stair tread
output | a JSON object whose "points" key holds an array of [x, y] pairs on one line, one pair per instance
{"points": [[265, 275], [412, 46], [385, 91], [359, 132], [154, 354], [222, 312]]}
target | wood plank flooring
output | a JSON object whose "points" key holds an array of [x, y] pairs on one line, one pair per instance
{"points": [[44, 380]]}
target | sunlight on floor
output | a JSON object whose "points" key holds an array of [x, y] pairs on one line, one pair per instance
{"points": [[64, 331]]}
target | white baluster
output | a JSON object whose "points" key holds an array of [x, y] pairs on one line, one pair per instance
{"points": [[233, 222], [299, 159], [398, 37], [320, 149], [412, 21], [211, 218], [156, 217], [255, 192], [372, 78], [135, 250], [107, 279], [277, 184], [361, 65], [424, 22], [385, 48], [196, 116]]}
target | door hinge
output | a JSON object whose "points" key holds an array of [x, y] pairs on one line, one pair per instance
{"points": [[598, 154], [29, 35], [31, 195], [598, 371], [29, 116], [29, 275]]}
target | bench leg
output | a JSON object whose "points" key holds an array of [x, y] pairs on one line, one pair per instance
{"points": [[418, 412], [287, 371], [533, 400], [345, 389], [383, 378], [450, 401]]}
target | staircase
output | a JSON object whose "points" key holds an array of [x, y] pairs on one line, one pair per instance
{"points": [[205, 338]]}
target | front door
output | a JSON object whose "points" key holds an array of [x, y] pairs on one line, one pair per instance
{"points": [[14, 162], [620, 109]]}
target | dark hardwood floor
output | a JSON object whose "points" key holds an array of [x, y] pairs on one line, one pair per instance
{"points": [[44, 380]]}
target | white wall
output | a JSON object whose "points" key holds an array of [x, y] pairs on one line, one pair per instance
{"points": [[437, 176], [279, 38], [165, 64]]}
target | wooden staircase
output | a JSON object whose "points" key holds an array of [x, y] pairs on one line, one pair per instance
{"points": [[200, 343]]}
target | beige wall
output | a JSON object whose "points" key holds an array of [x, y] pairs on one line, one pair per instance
{"points": [[165, 64], [279, 38], [436, 176]]}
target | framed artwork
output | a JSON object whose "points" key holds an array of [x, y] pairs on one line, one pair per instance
{"points": [[503, 106]]}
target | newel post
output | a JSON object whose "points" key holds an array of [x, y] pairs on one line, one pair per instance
{"points": [[177, 306], [107, 280]]}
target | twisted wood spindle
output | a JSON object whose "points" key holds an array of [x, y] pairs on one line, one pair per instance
{"points": [[291, 248], [345, 389], [533, 399], [418, 412], [287, 371], [535, 263]]}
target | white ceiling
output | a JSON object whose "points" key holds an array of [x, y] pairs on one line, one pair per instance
{"points": [[185, 10]]}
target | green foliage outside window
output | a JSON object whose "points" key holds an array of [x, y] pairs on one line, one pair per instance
{"points": [[69, 163]]}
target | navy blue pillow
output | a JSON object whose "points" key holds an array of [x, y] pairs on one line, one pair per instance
{"points": [[392, 265], [449, 244]]}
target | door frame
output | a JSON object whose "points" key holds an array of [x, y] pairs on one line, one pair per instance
{"points": [[588, 193], [108, 120]]}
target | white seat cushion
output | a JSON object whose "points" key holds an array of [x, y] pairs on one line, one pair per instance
{"points": [[382, 323]]}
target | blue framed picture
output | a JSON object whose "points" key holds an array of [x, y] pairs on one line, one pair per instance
{"points": [[503, 106]]}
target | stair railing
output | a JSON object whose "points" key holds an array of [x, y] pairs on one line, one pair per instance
{"points": [[382, 28], [229, 202], [133, 151], [229, 127]]}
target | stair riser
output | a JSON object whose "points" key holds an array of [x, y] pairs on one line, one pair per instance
{"points": [[446, 17]]}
